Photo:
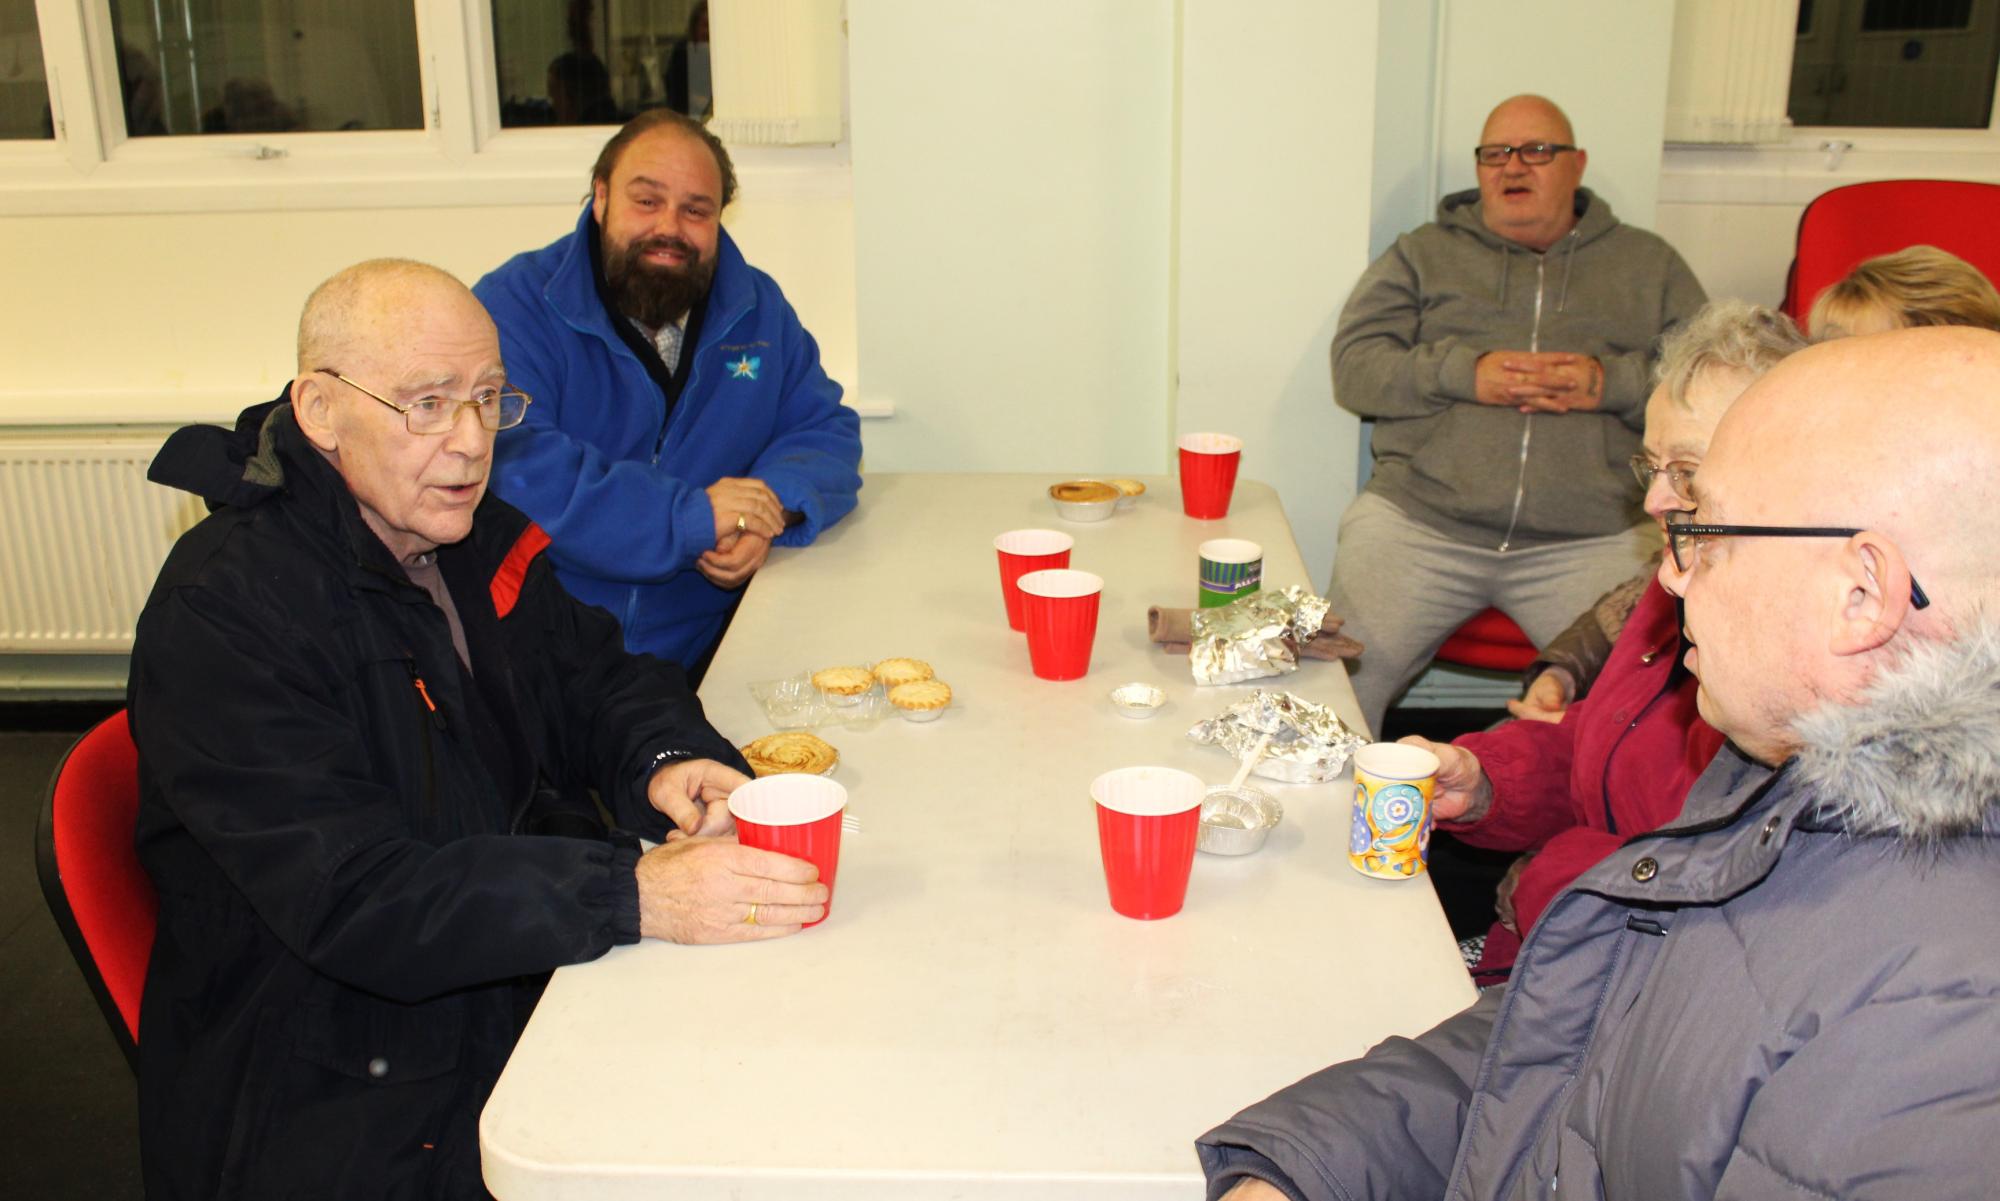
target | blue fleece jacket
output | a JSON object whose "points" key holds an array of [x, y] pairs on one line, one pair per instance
{"points": [[617, 483]]}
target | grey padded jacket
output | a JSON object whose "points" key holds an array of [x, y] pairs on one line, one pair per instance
{"points": [[1446, 293], [1789, 993]]}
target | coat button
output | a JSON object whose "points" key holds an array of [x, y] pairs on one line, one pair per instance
{"points": [[1770, 829], [378, 1067], [1645, 869]]}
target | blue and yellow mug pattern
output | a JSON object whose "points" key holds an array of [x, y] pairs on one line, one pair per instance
{"points": [[1391, 833]]}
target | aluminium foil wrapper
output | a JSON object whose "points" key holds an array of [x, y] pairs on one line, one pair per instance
{"points": [[1309, 743], [1255, 636]]}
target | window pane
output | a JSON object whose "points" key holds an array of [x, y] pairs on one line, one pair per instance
{"points": [[1913, 64], [266, 66], [596, 62], [1881, 15], [24, 84]]}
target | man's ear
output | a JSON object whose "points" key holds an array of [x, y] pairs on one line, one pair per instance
{"points": [[1582, 161], [312, 407], [600, 194], [1874, 585]]}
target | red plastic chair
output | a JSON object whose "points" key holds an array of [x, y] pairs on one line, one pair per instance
{"points": [[1489, 640], [1846, 225], [101, 897]]}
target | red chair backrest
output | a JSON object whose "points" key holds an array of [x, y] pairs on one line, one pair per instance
{"points": [[1490, 640], [1846, 225], [101, 897]]}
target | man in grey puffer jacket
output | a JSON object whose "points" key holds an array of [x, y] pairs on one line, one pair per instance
{"points": [[1794, 990], [1505, 352]]}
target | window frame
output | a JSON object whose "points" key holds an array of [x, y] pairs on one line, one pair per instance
{"points": [[460, 158], [1814, 158]]}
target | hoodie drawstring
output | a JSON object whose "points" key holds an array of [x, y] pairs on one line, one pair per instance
{"points": [[1506, 258], [1569, 256]]}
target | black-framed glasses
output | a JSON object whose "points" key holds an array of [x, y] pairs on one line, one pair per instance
{"points": [[1680, 475], [1684, 535], [1535, 154], [498, 408]]}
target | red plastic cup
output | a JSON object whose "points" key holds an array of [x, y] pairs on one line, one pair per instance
{"points": [[1147, 822], [1059, 609], [796, 815], [1023, 551], [1208, 473]]}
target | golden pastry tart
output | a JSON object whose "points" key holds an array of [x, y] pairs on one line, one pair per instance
{"points": [[843, 681], [1129, 487], [791, 751], [902, 671], [921, 700], [1083, 491]]}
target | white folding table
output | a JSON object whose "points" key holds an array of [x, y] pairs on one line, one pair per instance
{"points": [[973, 1021]]}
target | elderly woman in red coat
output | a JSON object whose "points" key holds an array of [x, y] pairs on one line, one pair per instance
{"points": [[1621, 760]]}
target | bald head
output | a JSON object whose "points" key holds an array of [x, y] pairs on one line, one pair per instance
{"points": [[1538, 110], [1898, 431], [356, 313], [406, 340], [1533, 204], [1875, 460]]}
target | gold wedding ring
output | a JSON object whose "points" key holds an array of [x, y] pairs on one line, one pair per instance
{"points": [[752, 919], [741, 524]]}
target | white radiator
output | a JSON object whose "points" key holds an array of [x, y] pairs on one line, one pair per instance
{"points": [[82, 535]]}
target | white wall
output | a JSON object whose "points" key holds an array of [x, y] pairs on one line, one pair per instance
{"points": [[1275, 163], [1736, 250], [1012, 192], [1405, 94], [1604, 63], [179, 317]]}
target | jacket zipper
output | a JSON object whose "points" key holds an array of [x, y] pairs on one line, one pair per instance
{"points": [[436, 720], [1527, 419]]}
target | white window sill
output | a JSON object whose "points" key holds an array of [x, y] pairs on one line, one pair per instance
{"points": [[225, 173], [1801, 168]]}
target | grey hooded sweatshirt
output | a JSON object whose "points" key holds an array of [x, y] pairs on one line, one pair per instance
{"points": [[1422, 314], [1793, 992]]}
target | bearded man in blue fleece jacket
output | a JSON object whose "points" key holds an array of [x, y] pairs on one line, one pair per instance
{"points": [[682, 423]]}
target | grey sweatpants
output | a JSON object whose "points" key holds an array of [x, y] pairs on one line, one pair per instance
{"points": [[1403, 588]]}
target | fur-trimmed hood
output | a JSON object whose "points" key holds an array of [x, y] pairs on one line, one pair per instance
{"points": [[1919, 756]]}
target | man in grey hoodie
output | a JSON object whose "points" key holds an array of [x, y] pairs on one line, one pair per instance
{"points": [[1793, 990], [1505, 352]]}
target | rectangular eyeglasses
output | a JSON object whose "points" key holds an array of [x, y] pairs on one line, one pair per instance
{"points": [[1535, 154], [1684, 535]]}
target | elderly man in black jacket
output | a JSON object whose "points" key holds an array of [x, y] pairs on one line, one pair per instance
{"points": [[369, 722]]}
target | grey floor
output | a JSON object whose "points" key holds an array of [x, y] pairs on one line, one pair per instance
{"points": [[67, 1104]]}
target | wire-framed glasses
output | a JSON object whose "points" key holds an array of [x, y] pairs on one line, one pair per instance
{"points": [[1680, 476], [498, 408], [1685, 534]]}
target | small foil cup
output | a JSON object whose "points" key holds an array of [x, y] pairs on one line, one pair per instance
{"points": [[1137, 700], [1236, 821]]}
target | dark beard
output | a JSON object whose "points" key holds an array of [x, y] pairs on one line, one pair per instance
{"points": [[656, 297]]}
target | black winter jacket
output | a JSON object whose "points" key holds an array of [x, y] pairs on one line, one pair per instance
{"points": [[367, 859]]}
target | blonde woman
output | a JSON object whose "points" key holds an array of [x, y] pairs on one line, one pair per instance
{"points": [[1919, 285]]}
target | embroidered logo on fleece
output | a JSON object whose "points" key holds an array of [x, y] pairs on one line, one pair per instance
{"points": [[745, 368]]}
